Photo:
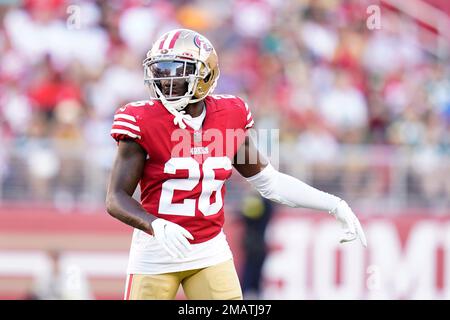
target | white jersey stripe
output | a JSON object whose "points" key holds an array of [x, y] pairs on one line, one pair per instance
{"points": [[126, 124], [124, 116], [250, 124], [169, 39], [126, 132], [249, 116], [246, 106]]}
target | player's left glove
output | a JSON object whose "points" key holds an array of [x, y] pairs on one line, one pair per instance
{"points": [[349, 222]]}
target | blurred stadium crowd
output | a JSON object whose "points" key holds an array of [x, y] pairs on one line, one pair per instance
{"points": [[362, 113]]}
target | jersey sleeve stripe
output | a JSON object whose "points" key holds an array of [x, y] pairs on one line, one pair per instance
{"points": [[246, 106], [124, 116], [249, 116], [126, 124], [250, 124], [125, 132]]}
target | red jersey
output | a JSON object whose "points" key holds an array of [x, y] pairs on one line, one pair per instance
{"points": [[186, 169]]}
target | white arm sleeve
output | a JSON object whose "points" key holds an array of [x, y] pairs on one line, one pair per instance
{"points": [[290, 191]]}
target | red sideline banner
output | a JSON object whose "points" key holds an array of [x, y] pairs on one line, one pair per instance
{"points": [[408, 257]]}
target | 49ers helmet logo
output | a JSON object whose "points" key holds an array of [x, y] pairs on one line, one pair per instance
{"points": [[202, 43]]}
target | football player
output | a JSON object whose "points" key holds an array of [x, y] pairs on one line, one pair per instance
{"points": [[178, 147]]}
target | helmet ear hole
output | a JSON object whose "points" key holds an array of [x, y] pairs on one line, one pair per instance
{"points": [[208, 77]]}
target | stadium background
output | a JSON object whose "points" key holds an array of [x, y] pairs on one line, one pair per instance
{"points": [[362, 103]]}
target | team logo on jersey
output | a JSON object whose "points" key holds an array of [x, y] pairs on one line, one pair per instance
{"points": [[199, 150], [202, 43]]}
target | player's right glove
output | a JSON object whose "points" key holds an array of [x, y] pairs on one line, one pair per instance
{"points": [[349, 222], [172, 237]]}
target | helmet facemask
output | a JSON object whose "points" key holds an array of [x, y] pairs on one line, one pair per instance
{"points": [[173, 81]]}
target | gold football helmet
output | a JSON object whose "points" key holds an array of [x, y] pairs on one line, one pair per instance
{"points": [[181, 54]]}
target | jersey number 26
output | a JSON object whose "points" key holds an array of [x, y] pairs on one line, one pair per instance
{"points": [[209, 185]]}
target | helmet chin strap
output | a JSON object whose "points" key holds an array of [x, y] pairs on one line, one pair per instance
{"points": [[176, 107]]}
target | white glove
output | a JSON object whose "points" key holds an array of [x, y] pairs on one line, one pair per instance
{"points": [[349, 222], [172, 237]]}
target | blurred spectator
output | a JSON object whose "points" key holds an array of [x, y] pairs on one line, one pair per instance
{"points": [[64, 72], [256, 213], [316, 144], [345, 108]]}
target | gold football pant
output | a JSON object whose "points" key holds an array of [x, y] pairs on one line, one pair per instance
{"points": [[217, 282]]}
